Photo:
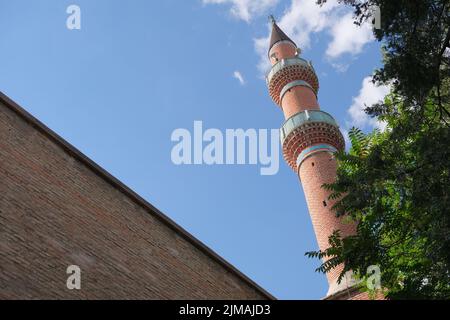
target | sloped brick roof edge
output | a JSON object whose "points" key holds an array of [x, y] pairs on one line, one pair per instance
{"points": [[74, 152]]}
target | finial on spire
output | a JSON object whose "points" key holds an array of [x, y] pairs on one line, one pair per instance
{"points": [[272, 19]]}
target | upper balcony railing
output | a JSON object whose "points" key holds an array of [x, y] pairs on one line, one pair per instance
{"points": [[285, 63], [302, 118]]}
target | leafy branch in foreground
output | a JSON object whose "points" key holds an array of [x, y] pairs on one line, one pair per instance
{"points": [[396, 186], [396, 183]]}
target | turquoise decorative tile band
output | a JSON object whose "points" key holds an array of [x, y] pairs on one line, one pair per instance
{"points": [[312, 150], [301, 118], [286, 63], [294, 84]]}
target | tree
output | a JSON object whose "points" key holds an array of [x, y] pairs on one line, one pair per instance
{"points": [[396, 184], [416, 41]]}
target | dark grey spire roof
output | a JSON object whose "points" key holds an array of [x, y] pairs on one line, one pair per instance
{"points": [[277, 35]]}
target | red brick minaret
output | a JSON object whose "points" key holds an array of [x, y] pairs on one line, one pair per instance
{"points": [[309, 137]]}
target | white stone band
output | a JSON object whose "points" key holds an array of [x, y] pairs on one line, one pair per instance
{"points": [[313, 150], [293, 84]]}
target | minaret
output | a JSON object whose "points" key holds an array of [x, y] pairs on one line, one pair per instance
{"points": [[309, 137]]}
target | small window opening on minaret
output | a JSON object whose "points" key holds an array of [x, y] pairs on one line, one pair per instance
{"points": [[324, 203], [312, 163]]}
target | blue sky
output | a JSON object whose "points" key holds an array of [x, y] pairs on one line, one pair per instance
{"points": [[137, 70]]}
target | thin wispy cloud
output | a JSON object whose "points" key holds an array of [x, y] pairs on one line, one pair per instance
{"points": [[238, 75], [348, 37], [246, 9], [302, 20], [368, 95]]}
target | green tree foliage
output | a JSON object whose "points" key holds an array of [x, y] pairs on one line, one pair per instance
{"points": [[396, 184], [415, 36]]}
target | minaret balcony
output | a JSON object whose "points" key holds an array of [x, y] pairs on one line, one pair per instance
{"points": [[306, 129], [287, 71]]}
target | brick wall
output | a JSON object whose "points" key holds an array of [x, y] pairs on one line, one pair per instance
{"points": [[58, 209]]}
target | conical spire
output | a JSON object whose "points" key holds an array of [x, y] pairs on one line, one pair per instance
{"points": [[277, 34]]}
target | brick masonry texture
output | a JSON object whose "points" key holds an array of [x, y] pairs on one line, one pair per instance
{"points": [[319, 168], [355, 294], [56, 211], [316, 170]]}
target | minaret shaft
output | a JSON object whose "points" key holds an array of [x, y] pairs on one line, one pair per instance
{"points": [[309, 137]]}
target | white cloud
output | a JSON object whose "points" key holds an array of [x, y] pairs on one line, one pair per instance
{"points": [[300, 21], [304, 18], [341, 67], [368, 95], [348, 37], [239, 77], [246, 9], [348, 143]]}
